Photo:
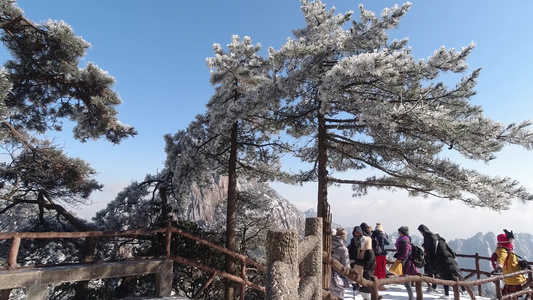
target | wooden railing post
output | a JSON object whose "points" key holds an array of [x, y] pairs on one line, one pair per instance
{"points": [[418, 288], [14, 252], [478, 275], [374, 292], [498, 289], [530, 281], [168, 239], [456, 295], [282, 265], [326, 246], [243, 276]]}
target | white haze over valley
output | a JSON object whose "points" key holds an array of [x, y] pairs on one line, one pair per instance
{"points": [[451, 219]]}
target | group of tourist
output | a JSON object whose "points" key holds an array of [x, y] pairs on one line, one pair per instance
{"points": [[366, 254]]}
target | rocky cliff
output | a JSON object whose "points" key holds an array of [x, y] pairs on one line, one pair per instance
{"points": [[207, 204]]}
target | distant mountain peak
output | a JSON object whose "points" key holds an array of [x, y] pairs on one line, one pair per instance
{"points": [[310, 213]]}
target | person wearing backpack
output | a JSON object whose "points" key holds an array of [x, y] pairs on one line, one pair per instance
{"points": [[403, 249], [507, 262], [430, 250], [446, 266], [339, 251], [379, 242]]}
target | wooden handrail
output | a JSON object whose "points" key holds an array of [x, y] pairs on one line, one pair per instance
{"points": [[418, 279], [306, 244], [81, 234], [219, 248], [168, 230]]}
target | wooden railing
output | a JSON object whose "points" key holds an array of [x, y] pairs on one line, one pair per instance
{"points": [[244, 260], [293, 271], [17, 237]]}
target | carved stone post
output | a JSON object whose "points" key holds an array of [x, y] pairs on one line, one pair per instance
{"points": [[37, 292], [312, 264], [282, 265], [163, 279]]}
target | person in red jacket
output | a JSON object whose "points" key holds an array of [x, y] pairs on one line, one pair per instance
{"points": [[379, 242]]}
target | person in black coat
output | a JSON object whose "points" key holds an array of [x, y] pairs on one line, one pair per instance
{"points": [[430, 251], [446, 266], [353, 249], [355, 243], [367, 231]]}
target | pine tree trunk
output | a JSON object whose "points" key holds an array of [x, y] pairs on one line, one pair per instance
{"points": [[323, 206], [4, 294], [81, 288], [231, 215], [165, 207]]}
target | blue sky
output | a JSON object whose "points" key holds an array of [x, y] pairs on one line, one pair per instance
{"points": [[156, 50]]}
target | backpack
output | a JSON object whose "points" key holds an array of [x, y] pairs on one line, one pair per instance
{"points": [[493, 259], [524, 264], [417, 256], [339, 280], [375, 246]]}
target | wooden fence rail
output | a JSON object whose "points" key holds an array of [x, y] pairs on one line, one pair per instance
{"points": [[418, 280], [162, 288], [293, 271]]}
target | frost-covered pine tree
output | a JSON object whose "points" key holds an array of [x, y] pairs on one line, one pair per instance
{"points": [[40, 86], [239, 126], [362, 101]]}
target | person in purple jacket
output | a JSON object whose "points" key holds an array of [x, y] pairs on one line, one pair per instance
{"points": [[403, 249]]}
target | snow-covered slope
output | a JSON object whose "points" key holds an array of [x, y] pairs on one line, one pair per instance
{"points": [[398, 292]]}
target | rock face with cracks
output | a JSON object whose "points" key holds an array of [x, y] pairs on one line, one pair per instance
{"points": [[206, 203]]}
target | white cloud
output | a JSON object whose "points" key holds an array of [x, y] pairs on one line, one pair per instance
{"points": [[451, 219], [101, 199]]}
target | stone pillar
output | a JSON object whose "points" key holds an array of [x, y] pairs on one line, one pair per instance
{"points": [[163, 280], [37, 292], [282, 265], [312, 264]]}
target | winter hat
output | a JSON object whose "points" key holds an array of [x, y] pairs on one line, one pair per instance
{"points": [[379, 227], [503, 242], [423, 228], [365, 227], [333, 231], [404, 230], [502, 238], [357, 229], [342, 233]]}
